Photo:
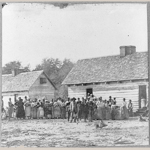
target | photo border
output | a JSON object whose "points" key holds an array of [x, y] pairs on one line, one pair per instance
{"points": [[82, 2]]}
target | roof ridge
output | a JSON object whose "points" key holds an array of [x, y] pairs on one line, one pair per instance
{"points": [[108, 56], [109, 68], [31, 71]]}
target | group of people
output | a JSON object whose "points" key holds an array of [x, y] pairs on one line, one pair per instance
{"points": [[72, 109], [93, 108]]}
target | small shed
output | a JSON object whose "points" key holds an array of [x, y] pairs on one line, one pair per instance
{"points": [[120, 76], [35, 84]]}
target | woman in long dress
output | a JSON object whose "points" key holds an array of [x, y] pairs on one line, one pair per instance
{"points": [[34, 109], [100, 107], [38, 110], [63, 110], [108, 111], [57, 110], [10, 108], [124, 110], [20, 112], [41, 108], [28, 109], [15, 109]]}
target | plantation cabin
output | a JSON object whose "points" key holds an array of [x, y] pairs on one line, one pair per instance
{"points": [[120, 76], [35, 84]]}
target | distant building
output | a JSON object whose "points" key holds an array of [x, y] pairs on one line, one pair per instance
{"points": [[120, 76], [35, 84]]}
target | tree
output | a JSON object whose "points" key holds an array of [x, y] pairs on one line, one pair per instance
{"points": [[57, 71], [14, 65], [65, 69]]}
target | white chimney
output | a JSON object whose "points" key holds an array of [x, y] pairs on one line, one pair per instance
{"points": [[127, 50]]}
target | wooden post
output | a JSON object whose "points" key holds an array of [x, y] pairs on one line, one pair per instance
{"points": [[0, 71], [148, 34]]}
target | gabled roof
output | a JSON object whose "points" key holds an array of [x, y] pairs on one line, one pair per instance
{"points": [[110, 68], [21, 82]]}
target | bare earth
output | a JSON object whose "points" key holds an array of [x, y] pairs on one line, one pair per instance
{"points": [[60, 133]]}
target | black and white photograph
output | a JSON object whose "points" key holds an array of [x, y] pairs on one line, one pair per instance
{"points": [[75, 74]]}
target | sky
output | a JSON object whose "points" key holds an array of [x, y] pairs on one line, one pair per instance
{"points": [[33, 31]]}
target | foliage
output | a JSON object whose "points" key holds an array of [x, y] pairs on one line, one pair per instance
{"points": [[7, 68], [55, 69]]}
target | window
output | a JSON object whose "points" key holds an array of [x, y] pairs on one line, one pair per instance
{"points": [[42, 80]]}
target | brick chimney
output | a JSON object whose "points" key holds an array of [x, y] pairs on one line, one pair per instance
{"points": [[127, 50]]}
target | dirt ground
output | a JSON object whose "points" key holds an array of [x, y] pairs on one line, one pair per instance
{"points": [[60, 133]]}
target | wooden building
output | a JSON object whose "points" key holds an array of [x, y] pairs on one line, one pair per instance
{"points": [[120, 76], [35, 84]]}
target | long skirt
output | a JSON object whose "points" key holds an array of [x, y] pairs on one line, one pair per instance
{"points": [[57, 112], [117, 114], [130, 112], [14, 115], [34, 112], [28, 111], [113, 112], [104, 112], [21, 112], [10, 111], [63, 112], [40, 112], [108, 113], [124, 113], [100, 113]]}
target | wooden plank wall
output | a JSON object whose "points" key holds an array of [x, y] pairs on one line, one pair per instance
{"points": [[42, 90], [6, 97], [120, 91]]}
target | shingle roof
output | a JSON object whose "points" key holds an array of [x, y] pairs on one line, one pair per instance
{"points": [[21, 82], [110, 68]]}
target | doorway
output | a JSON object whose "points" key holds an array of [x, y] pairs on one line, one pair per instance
{"points": [[142, 95], [89, 91]]}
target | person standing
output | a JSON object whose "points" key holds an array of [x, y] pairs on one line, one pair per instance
{"points": [[40, 111], [34, 109], [113, 111], [15, 108], [73, 110], [90, 109], [63, 110], [2, 106], [68, 109], [78, 110], [10, 108], [108, 111], [100, 107], [124, 110], [20, 112], [57, 109], [110, 101], [94, 109], [28, 109], [130, 108], [82, 107], [85, 110]]}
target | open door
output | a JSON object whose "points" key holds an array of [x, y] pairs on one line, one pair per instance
{"points": [[142, 95], [89, 91]]}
